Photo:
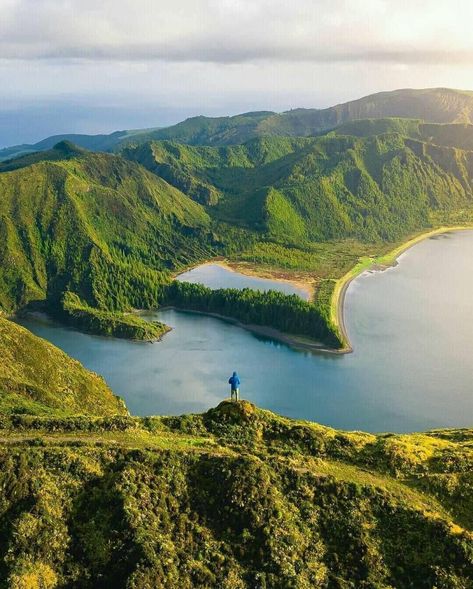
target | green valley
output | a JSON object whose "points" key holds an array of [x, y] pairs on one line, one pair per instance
{"points": [[113, 233]]}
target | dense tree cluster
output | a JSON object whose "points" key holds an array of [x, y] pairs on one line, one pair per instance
{"points": [[112, 323], [287, 313]]}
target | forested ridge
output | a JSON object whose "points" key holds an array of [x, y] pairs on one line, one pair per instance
{"points": [[372, 187], [286, 313], [104, 229]]}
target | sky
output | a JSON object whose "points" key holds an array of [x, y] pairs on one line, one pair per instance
{"points": [[92, 66]]}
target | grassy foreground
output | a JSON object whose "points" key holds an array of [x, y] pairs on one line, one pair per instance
{"points": [[234, 498]]}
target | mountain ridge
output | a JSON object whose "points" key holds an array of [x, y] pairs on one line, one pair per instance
{"points": [[437, 105], [69, 215]]}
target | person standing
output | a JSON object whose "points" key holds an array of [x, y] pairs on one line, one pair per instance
{"points": [[234, 382]]}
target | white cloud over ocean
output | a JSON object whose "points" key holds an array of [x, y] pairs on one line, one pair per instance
{"points": [[95, 66]]}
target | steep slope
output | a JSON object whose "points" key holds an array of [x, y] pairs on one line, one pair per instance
{"points": [[95, 235], [234, 498], [375, 186], [434, 105], [446, 135], [36, 377], [91, 223]]}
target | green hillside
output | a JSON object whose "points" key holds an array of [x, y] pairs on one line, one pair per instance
{"points": [[94, 236], [36, 377], [237, 497], [433, 105], [94, 224], [105, 229], [446, 135], [206, 130], [234, 498], [374, 185]]}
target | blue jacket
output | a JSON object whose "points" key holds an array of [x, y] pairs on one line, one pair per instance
{"points": [[234, 380]]}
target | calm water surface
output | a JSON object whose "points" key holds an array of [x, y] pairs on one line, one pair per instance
{"points": [[412, 369], [215, 276]]}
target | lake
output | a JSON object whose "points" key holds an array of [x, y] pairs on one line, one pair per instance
{"points": [[411, 327], [216, 276]]}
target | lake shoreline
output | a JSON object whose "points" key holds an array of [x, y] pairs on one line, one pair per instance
{"points": [[294, 341], [45, 316], [380, 263], [337, 303], [255, 272]]}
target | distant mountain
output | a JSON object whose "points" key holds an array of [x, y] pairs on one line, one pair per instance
{"points": [[90, 142], [63, 150], [109, 230], [438, 105], [433, 105]]}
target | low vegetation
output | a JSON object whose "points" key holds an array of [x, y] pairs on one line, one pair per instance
{"points": [[236, 497], [115, 324], [37, 377]]}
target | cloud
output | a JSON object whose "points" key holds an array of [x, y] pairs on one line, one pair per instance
{"points": [[237, 31], [100, 65]]}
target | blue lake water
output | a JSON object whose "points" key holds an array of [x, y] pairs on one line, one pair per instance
{"points": [[411, 327], [215, 276]]}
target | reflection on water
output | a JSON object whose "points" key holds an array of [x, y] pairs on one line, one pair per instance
{"points": [[411, 327], [216, 276]]}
